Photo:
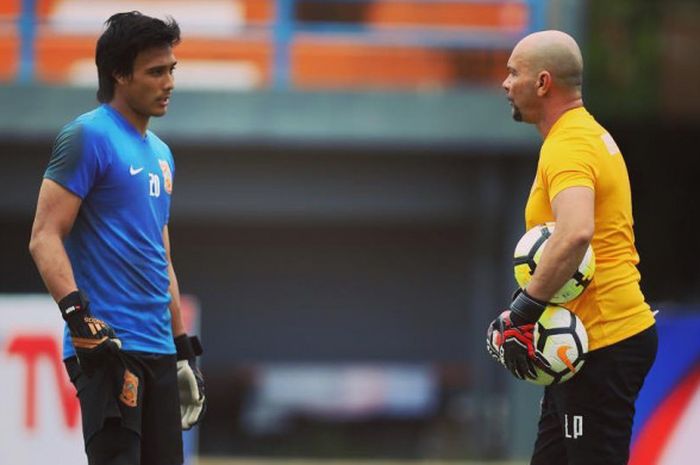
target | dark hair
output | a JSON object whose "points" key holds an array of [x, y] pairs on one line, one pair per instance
{"points": [[127, 35]]}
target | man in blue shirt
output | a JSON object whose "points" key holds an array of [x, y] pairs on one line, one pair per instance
{"points": [[100, 241]]}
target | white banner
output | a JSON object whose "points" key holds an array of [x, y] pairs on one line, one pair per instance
{"points": [[40, 419], [40, 422]]}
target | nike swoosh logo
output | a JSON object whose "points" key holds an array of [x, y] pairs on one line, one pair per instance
{"points": [[561, 353], [134, 171]]}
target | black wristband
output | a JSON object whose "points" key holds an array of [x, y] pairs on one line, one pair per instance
{"points": [[187, 347], [73, 305], [525, 309]]}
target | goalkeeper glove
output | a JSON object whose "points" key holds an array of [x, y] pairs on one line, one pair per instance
{"points": [[93, 339], [510, 335], [193, 402]]}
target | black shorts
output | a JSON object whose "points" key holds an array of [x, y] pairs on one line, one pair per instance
{"points": [[588, 419], [131, 407]]}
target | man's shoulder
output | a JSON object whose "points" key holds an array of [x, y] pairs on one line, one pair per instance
{"points": [[578, 143], [576, 133], [157, 143], [92, 123], [579, 124]]}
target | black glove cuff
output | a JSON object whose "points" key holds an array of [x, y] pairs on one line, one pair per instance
{"points": [[73, 306], [188, 347], [525, 309]]}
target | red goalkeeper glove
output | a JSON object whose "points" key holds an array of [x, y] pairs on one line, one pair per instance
{"points": [[509, 337]]}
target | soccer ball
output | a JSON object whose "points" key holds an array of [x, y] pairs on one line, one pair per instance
{"points": [[561, 344], [527, 255]]}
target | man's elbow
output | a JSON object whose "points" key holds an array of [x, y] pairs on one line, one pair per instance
{"points": [[582, 237], [577, 236], [37, 241], [34, 244]]}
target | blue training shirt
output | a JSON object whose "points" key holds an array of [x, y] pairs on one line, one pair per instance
{"points": [[116, 248]]}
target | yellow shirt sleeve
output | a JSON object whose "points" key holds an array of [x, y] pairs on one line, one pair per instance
{"points": [[567, 163]]}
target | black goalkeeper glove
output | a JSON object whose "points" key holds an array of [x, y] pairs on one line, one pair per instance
{"points": [[93, 339], [509, 338], [193, 402]]}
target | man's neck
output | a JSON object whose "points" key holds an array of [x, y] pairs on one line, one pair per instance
{"points": [[138, 121], [554, 112]]}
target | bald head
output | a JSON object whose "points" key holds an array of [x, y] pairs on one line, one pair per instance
{"points": [[553, 51]]}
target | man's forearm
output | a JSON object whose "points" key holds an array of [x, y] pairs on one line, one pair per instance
{"points": [[175, 312], [53, 264], [559, 262]]}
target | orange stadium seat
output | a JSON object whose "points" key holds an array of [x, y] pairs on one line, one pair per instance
{"points": [[351, 65], [243, 34], [503, 15], [257, 53], [488, 15], [329, 62], [9, 55], [258, 11], [10, 9], [62, 54], [45, 7], [9, 40], [54, 55]]}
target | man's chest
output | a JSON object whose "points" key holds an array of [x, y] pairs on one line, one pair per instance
{"points": [[138, 177]]}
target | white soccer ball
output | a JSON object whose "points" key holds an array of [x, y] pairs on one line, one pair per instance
{"points": [[527, 255], [561, 343]]}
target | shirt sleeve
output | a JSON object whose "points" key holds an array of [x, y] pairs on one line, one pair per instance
{"points": [[568, 163], [76, 161]]}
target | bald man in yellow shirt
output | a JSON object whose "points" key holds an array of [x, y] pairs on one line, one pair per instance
{"points": [[582, 184]]}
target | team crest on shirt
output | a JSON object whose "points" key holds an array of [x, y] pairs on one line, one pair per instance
{"points": [[167, 176], [130, 389]]}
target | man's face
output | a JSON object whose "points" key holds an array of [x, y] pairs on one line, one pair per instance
{"points": [[147, 91], [520, 88]]}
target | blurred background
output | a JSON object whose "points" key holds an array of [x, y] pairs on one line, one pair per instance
{"points": [[349, 188]]}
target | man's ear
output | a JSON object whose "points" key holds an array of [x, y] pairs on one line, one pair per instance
{"points": [[543, 83], [120, 78]]}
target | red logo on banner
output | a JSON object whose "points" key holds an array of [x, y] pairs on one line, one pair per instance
{"points": [[32, 348]]}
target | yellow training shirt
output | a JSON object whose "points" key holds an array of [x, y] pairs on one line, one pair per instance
{"points": [[579, 152]]}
